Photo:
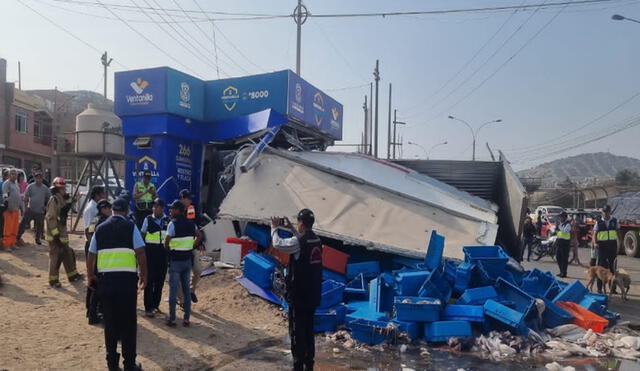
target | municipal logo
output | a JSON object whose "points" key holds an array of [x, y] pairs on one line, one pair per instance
{"points": [[185, 95], [318, 107], [230, 97], [296, 104], [298, 92], [140, 98]]}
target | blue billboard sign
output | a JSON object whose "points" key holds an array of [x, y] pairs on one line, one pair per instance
{"points": [[158, 90], [313, 108], [229, 98]]}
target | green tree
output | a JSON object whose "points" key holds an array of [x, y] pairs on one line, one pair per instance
{"points": [[627, 177]]}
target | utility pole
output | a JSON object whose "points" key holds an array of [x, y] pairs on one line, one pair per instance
{"points": [[19, 76], [370, 139], [395, 124], [300, 15], [389, 127], [365, 138], [376, 75], [106, 61]]}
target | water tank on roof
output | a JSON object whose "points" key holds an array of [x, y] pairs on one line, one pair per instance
{"points": [[99, 130]]}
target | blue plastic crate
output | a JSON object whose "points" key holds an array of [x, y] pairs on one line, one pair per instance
{"points": [[408, 281], [402, 262], [464, 276], [513, 297], [259, 233], [612, 317], [492, 258], [368, 269], [259, 270], [595, 304], [450, 268], [443, 330], [413, 329], [574, 292], [368, 332], [357, 288], [537, 283], [356, 305], [325, 320], [512, 318], [433, 259], [477, 296], [381, 294], [417, 309], [554, 316], [331, 275], [365, 314], [331, 294], [436, 286], [460, 312]]}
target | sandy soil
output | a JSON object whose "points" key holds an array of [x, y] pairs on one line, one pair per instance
{"points": [[45, 328]]}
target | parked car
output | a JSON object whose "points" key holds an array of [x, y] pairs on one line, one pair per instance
{"points": [[549, 218], [586, 219]]}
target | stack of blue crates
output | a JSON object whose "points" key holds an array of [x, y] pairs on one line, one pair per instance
{"points": [[259, 270]]}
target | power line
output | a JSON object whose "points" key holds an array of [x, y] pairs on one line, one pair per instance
{"points": [[337, 51], [148, 40], [233, 45], [348, 87], [67, 31], [504, 63], [475, 55]]}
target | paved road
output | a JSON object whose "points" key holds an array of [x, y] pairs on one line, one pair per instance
{"points": [[630, 310]]}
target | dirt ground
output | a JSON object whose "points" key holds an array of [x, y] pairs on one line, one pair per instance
{"points": [[46, 328]]}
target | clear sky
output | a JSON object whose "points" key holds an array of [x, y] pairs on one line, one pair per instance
{"points": [[548, 74]]}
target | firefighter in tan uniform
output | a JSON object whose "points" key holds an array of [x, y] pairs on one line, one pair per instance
{"points": [[59, 251]]}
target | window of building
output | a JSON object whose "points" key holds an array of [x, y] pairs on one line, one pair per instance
{"points": [[13, 161], [21, 121], [37, 129]]}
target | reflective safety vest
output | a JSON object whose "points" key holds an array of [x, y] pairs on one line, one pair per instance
{"points": [[144, 202], [191, 212], [181, 243], [607, 231], [114, 242], [156, 233]]}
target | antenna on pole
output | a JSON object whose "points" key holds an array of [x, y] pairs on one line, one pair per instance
{"points": [[106, 61]]}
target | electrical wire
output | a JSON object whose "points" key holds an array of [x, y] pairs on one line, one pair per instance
{"points": [[339, 53], [465, 65], [68, 32], [495, 72], [233, 45], [348, 87], [148, 40]]}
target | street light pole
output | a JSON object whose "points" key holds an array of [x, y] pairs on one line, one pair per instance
{"points": [[474, 133], [434, 146], [618, 17], [300, 15], [426, 154]]}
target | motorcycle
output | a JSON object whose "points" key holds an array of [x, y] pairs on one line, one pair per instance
{"points": [[542, 248]]}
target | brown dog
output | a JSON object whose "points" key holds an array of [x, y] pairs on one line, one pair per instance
{"points": [[602, 274], [623, 280]]}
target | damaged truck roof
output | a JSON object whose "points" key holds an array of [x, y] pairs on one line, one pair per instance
{"points": [[361, 201]]}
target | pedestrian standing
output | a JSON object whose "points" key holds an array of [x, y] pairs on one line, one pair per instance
{"points": [[539, 223], [303, 283], [575, 243], [154, 231], [182, 236], [563, 244], [144, 193], [528, 236], [35, 197], [193, 217], [92, 301], [3, 208], [11, 194], [116, 253], [605, 239], [58, 208]]}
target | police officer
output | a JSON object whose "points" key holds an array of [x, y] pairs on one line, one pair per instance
{"points": [[182, 236], [144, 193], [58, 208], [117, 251], [192, 216], [154, 230], [93, 299], [304, 279], [605, 240], [563, 244]]}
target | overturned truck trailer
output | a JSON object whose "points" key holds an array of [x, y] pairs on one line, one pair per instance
{"points": [[362, 201]]}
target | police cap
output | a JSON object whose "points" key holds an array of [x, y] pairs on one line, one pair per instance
{"points": [[307, 217], [103, 203], [185, 194], [158, 202], [120, 204], [177, 205], [606, 208], [146, 174]]}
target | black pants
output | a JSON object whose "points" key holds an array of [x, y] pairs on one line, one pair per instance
{"points": [[562, 257], [38, 218], [527, 243], [119, 298], [140, 215], [607, 254], [302, 337], [157, 272], [92, 300]]}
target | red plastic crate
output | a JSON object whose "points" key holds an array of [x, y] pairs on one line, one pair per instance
{"points": [[245, 245], [584, 318], [283, 258], [334, 260]]}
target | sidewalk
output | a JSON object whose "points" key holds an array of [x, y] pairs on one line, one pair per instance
{"points": [[628, 310]]}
